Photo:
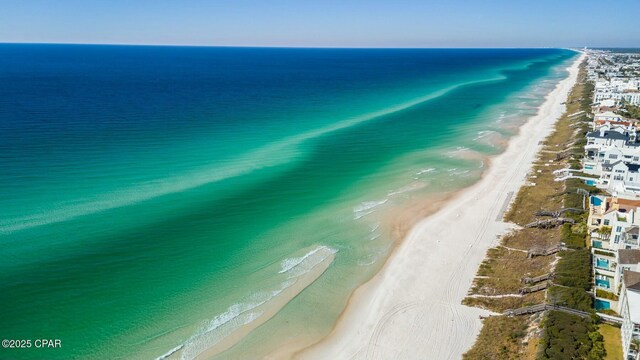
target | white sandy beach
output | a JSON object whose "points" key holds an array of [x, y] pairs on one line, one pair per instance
{"points": [[412, 308]]}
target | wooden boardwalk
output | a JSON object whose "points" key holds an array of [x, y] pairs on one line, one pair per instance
{"points": [[544, 307], [534, 288], [550, 223], [557, 214], [533, 280], [546, 252]]}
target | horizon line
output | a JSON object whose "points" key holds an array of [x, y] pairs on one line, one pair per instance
{"points": [[311, 46]]}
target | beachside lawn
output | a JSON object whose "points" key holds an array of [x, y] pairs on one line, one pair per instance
{"points": [[612, 341]]}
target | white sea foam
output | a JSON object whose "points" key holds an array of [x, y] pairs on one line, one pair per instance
{"points": [[360, 215], [309, 262], [419, 184], [170, 352], [290, 263], [370, 260], [212, 336], [367, 207], [457, 151], [251, 308], [425, 171], [483, 134]]}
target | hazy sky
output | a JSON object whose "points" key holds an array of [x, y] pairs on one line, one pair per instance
{"points": [[367, 23]]}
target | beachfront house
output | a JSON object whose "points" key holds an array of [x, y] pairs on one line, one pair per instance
{"points": [[626, 259], [609, 219], [610, 143], [629, 309], [608, 117], [621, 179], [615, 88], [613, 154], [607, 145]]}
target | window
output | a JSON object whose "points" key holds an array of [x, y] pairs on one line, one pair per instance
{"points": [[616, 239], [613, 156], [606, 221], [618, 228], [636, 158]]}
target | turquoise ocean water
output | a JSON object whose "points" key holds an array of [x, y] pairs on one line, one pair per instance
{"points": [[166, 198]]}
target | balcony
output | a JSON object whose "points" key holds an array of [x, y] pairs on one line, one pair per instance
{"points": [[603, 283], [603, 264]]}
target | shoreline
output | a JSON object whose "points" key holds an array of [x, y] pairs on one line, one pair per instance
{"points": [[406, 296]]}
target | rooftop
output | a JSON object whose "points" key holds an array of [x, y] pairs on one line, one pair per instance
{"points": [[614, 135], [632, 230], [632, 280], [629, 256]]}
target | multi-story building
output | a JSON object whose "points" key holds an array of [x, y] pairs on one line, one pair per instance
{"points": [[629, 310], [609, 220], [613, 154]]}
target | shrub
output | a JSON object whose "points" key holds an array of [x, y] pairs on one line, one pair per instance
{"points": [[606, 295], [602, 252], [574, 240], [575, 298], [568, 336], [574, 269]]}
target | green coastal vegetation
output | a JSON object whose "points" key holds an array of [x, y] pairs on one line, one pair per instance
{"points": [[569, 336], [632, 111], [551, 334]]}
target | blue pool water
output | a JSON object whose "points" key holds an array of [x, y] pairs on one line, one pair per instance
{"points": [[602, 305], [597, 244], [602, 263], [596, 201], [590, 182], [602, 283]]}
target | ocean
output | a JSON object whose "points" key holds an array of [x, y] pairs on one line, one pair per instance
{"points": [[170, 202]]}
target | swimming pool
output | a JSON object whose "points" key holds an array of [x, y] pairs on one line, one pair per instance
{"points": [[602, 305], [590, 182], [603, 283], [602, 263], [597, 244]]}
